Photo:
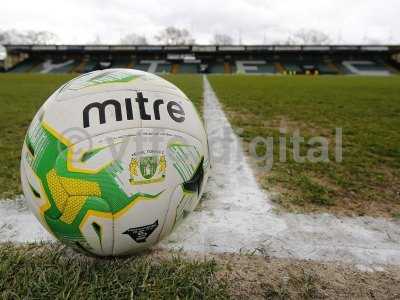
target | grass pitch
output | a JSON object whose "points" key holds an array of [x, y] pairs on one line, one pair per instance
{"points": [[367, 109], [256, 104], [51, 271], [192, 86], [20, 98], [54, 272]]}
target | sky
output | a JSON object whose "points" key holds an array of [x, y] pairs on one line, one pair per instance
{"points": [[248, 21]]}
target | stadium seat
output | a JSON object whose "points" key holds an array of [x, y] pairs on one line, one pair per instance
{"points": [[292, 67], [217, 68], [26, 66], [188, 68], [254, 67], [80, 67], [90, 66], [163, 68], [66, 68], [366, 67], [329, 68], [154, 66], [51, 66], [141, 67], [122, 62]]}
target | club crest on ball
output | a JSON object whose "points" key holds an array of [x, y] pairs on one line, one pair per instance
{"points": [[147, 169]]}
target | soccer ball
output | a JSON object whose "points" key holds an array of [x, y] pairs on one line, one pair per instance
{"points": [[113, 161]]}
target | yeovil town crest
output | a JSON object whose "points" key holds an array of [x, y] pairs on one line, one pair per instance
{"points": [[147, 169]]}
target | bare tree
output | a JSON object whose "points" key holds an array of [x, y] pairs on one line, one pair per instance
{"points": [[372, 41], [41, 37], [309, 37], [175, 36], [27, 37], [9, 37], [97, 40], [134, 39], [222, 39]]}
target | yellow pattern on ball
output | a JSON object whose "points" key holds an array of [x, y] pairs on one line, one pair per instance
{"points": [[80, 187], [70, 194], [60, 196], [72, 208]]}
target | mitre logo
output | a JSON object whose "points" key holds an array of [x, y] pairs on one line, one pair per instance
{"points": [[174, 109]]}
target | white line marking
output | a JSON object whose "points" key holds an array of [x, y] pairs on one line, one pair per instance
{"points": [[237, 216], [18, 224]]}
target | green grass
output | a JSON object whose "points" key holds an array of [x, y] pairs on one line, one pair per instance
{"points": [[20, 98], [367, 109], [50, 272], [192, 86]]}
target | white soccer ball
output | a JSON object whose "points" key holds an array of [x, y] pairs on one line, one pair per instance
{"points": [[114, 160]]}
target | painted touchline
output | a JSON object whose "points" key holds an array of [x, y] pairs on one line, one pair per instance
{"points": [[237, 216]]}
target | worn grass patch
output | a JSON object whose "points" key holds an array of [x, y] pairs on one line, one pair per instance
{"points": [[21, 95], [367, 109], [259, 277], [52, 272]]}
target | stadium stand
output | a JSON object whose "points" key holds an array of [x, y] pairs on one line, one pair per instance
{"points": [[3, 56], [175, 68], [292, 67], [163, 68], [267, 69], [122, 62], [279, 68], [141, 66], [254, 66], [262, 59], [366, 67], [188, 68], [51, 66], [328, 68], [227, 68], [26, 66], [47, 66], [80, 67], [217, 68], [66, 67], [90, 66]]}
